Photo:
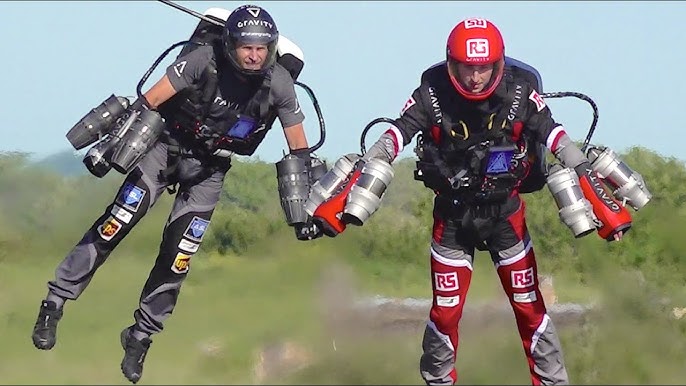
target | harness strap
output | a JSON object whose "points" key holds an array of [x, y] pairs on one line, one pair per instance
{"points": [[209, 163], [434, 166], [173, 158], [210, 83]]}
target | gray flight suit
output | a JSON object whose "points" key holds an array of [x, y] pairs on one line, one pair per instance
{"points": [[184, 231]]}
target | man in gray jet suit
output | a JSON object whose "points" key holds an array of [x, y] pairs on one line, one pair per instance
{"points": [[246, 88]]}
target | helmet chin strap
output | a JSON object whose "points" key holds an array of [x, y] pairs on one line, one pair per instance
{"points": [[247, 78]]}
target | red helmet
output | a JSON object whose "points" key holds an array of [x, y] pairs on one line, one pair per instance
{"points": [[475, 42]]}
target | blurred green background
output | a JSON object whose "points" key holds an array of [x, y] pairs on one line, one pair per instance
{"points": [[261, 307]]}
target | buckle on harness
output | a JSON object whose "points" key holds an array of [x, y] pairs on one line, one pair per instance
{"points": [[204, 131]]}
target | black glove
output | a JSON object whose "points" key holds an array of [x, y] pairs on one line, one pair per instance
{"points": [[303, 154], [307, 231], [140, 104]]}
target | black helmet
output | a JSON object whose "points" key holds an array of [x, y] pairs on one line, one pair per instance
{"points": [[250, 24]]}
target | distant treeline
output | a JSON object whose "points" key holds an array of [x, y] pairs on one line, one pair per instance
{"points": [[42, 208]]}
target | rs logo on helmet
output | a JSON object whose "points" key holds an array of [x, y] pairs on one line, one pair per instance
{"points": [[475, 23], [477, 48]]}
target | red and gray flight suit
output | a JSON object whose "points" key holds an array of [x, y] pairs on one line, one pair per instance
{"points": [[194, 203], [462, 223]]}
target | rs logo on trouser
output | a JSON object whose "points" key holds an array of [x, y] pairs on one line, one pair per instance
{"points": [[455, 236]]}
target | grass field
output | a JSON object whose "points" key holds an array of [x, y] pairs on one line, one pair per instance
{"points": [[232, 306], [281, 295]]}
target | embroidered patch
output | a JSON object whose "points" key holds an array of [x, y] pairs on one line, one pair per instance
{"points": [[109, 228], [131, 197], [196, 229]]}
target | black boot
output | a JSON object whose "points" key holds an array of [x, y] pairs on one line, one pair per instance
{"points": [[134, 355], [45, 330]]}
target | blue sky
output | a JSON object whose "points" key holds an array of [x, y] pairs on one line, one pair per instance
{"points": [[363, 59]]}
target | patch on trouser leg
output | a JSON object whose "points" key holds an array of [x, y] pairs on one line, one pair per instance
{"points": [[519, 276], [451, 277], [131, 196], [182, 263], [163, 286], [185, 229], [108, 229], [547, 355]]}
